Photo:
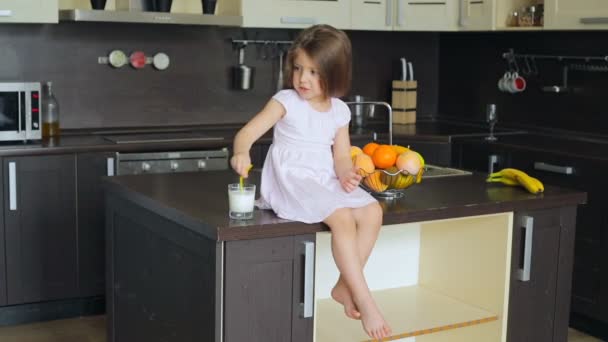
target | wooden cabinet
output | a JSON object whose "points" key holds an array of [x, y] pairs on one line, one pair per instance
{"points": [[264, 291], [434, 152], [40, 228], [294, 14], [576, 14], [476, 15], [479, 157], [91, 167], [535, 306], [589, 296], [425, 15], [372, 15], [29, 11]]}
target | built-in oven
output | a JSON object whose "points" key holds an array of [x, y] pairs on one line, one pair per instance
{"points": [[167, 162], [20, 111]]}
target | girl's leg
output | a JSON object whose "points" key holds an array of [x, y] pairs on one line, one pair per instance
{"points": [[368, 220], [346, 255]]}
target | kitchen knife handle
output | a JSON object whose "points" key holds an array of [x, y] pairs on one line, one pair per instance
{"points": [[389, 12], [12, 186], [309, 278], [110, 166], [566, 170], [527, 223]]}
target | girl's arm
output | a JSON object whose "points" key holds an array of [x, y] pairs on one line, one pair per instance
{"points": [[343, 165], [251, 132]]}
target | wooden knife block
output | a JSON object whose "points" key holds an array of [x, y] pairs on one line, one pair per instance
{"points": [[404, 101]]}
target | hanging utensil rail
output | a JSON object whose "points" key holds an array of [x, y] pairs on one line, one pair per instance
{"points": [[261, 41], [511, 55]]}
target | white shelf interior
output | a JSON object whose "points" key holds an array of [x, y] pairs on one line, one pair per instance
{"points": [[434, 281]]}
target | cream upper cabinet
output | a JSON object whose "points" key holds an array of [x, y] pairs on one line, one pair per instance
{"points": [[426, 15], [576, 14], [372, 15], [29, 11], [289, 13], [476, 15]]}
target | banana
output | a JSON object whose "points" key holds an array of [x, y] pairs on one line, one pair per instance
{"points": [[513, 177], [503, 180]]}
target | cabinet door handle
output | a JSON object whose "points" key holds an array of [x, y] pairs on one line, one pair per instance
{"points": [[400, 16], [389, 12], [566, 170], [110, 166], [309, 278], [464, 13], [12, 185], [6, 13], [298, 20], [492, 160], [527, 224], [594, 20]]}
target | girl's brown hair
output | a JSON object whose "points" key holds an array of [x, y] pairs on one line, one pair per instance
{"points": [[330, 49]]}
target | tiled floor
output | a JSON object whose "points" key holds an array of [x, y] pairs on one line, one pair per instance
{"points": [[92, 329]]}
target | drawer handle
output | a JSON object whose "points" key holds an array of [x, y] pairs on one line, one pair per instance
{"points": [[527, 224], [298, 20], [110, 166], [372, 2], [389, 12], [12, 186], [565, 170], [6, 13], [309, 274], [594, 20]]}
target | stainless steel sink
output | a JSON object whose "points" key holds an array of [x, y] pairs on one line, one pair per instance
{"points": [[433, 171]]}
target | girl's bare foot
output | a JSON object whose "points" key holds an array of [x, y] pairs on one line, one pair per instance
{"points": [[371, 319], [341, 294]]}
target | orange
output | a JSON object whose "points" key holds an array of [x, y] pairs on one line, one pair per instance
{"points": [[370, 148], [384, 156]]}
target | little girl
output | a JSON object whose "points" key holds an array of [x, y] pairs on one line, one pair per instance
{"points": [[308, 174]]}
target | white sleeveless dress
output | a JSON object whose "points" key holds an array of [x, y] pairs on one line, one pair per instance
{"points": [[298, 179]]}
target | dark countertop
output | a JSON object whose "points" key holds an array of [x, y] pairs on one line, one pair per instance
{"points": [[199, 201], [596, 149], [76, 141]]}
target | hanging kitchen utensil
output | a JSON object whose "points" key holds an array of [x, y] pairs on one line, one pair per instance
{"points": [[242, 75], [280, 76]]}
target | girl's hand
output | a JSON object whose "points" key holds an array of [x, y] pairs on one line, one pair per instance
{"points": [[350, 179], [240, 163]]}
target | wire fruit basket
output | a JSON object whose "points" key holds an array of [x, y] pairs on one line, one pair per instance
{"points": [[389, 183]]}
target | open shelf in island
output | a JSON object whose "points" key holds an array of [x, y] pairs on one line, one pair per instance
{"points": [[410, 311], [444, 280]]}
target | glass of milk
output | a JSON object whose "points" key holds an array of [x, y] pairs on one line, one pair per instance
{"points": [[241, 201]]}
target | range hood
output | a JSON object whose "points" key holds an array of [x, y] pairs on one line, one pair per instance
{"points": [[149, 17]]}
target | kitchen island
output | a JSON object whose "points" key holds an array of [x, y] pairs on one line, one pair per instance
{"points": [[457, 259]]}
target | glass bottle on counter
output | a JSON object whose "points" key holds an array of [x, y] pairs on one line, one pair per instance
{"points": [[50, 112]]}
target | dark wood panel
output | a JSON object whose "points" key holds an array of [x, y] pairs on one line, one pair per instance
{"points": [[41, 234], [259, 290], [3, 281], [147, 255], [196, 87], [471, 65], [532, 303], [91, 222]]}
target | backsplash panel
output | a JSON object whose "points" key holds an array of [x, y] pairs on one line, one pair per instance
{"points": [[196, 87], [471, 65]]}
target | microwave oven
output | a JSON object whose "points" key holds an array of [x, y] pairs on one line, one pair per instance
{"points": [[20, 111]]}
